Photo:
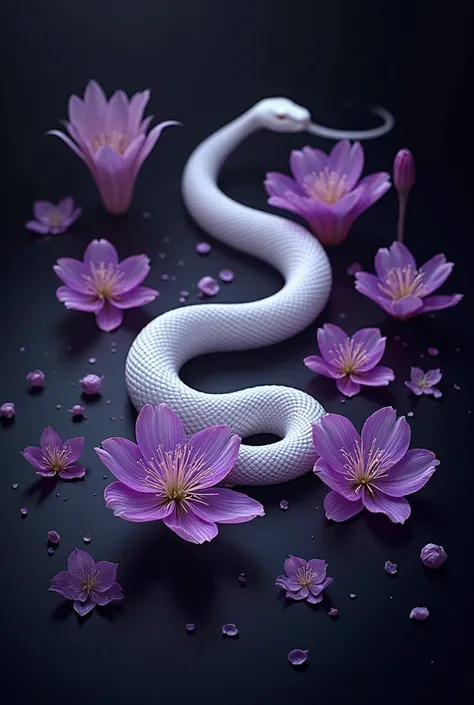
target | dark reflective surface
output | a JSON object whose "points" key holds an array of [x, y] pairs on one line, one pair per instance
{"points": [[206, 63]]}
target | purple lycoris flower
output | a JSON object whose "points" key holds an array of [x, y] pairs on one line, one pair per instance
{"points": [[87, 583], [110, 137], [304, 580], [326, 190], [53, 219], [103, 285], [54, 457], [423, 382], [352, 362], [375, 470], [7, 410], [91, 384], [171, 477], [402, 290], [433, 556]]}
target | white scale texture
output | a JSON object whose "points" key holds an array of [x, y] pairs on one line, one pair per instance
{"points": [[161, 349]]}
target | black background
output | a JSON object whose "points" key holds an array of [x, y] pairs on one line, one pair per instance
{"points": [[206, 62]]}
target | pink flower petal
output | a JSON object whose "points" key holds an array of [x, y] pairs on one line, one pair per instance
{"points": [[75, 448], [226, 506], [109, 317], [190, 527], [35, 457], [135, 506], [339, 509], [370, 340], [125, 461], [72, 145], [153, 137]]}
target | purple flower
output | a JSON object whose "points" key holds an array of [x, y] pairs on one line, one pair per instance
{"points": [[54, 457], [423, 382], [326, 190], [7, 410], [171, 477], [404, 171], [103, 285], [87, 583], [352, 362], [91, 384], [433, 556], [36, 378], [208, 286], [375, 470], [402, 290], [304, 580], [110, 137], [53, 219], [420, 614]]}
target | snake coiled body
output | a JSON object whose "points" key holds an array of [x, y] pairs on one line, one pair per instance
{"points": [[161, 349]]}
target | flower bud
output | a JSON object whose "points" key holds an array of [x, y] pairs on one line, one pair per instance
{"points": [[404, 171], [7, 410], [36, 378], [91, 384], [433, 556]]}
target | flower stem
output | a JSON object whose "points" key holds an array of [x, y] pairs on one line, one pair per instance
{"points": [[402, 209]]}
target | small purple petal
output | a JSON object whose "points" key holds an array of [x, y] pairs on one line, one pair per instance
{"points": [[230, 630], [433, 556], [91, 384], [434, 352], [284, 505], [36, 378], [208, 286], [24, 512], [390, 568], [298, 657], [54, 537], [190, 628], [109, 317], [338, 508], [226, 275], [7, 410], [83, 608], [333, 612], [77, 410], [419, 613], [203, 248], [354, 268]]}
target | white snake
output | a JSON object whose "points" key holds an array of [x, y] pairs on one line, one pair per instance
{"points": [[161, 349]]}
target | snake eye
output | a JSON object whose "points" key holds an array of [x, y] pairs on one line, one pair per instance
{"points": [[280, 116]]}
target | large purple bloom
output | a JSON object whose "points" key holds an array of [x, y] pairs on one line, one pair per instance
{"points": [[53, 219], [352, 362], [170, 477], [103, 285], [87, 583], [54, 457], [304, 580], [326, 190], [402, 290], [110, 137], [375, 470]]}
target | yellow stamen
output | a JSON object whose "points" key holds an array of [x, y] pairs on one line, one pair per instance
{"points": [[56, 457], [103, 280], [402, 281], [326, 186], [363, 470], [305, 575], [349, 356], [115, 139]]}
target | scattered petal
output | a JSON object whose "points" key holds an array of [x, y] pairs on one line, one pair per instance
{"points": [[419, 613], [91, 384], [333, 612], [36, 378], [24, 512], [190, 628], [87, 538], [390, 568], [54, 537], [434, 352], [226, 275], [284, 505], [208, 286], [7, 410], [203, 248], [433, 556], [354, 268]]}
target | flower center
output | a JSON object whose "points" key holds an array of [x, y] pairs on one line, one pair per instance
{"points": [[89, 580], [56, 457], [402, 281], [55, 218], [115, 139], [349, 356], [304, 575], [176, 475], [327, 186], [364, 469], [103, 280]]}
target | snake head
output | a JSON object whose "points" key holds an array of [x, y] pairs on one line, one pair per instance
{"points": [[282, 115]]}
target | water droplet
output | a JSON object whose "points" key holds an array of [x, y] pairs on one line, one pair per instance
{"points": [[95, 494], [181, 262], [352, 596], [114, 350], [284, 505], [22, 349], [58, 406], [457, 387], [15, 486], [108, 401], [165, 277], [50, 551], [410, 414], [104, 477], [87, 538], [71, 384], [203, 248], [146, 215], [230, 630], [57, 494], [242, 579], [54, 537], [24, 512], [112, 418], [162, 255], [64, 499], [190, 628], [92, 360], [311, 537], [343, 401], [297, 657], [121, 418], [342, 314], [433, 352]]}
